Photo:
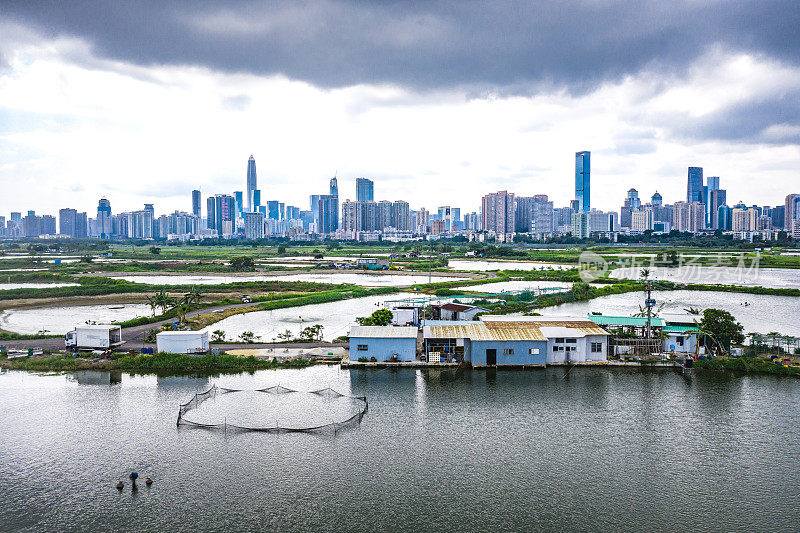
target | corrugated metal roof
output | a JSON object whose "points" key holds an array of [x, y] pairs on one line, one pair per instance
{"points": [[479, 332], [639, 321], [581, 326], [383, 332]]}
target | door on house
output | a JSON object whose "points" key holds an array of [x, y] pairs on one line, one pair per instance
{"points": [[491, 357]]}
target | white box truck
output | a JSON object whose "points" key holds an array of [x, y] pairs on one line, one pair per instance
{"points": [[185, 342], [93, 337]]}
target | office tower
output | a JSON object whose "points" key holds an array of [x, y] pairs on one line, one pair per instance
{"points": [[724, 215], [632, 203], [334, 187], [211, 213], [251, 182], [282, 211], [292, 212], [656, 200], [314, 202], [716, 198], [694, 185], [240, 209], [642, 219], [712, 184], [582, 180], [364, 190], [104, 219], [422, 221], [778, 216], [256, 200], [328, 209], [498, 212], [273, 209], [791, 210], [196, 203], [254, 225], [67, 220]]}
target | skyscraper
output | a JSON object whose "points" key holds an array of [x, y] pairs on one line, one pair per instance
{"points": [[364, 190], [211, 213], [791, 210], [328, 212], [103, 219], [582, 179], [251, 182], [196, 203], [717, 198], [334, 187], [712, 184], [498, 212], [694, 185]]}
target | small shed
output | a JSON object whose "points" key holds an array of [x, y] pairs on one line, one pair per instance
{"points": [[183, 342], [383, 343], [453, 311]]}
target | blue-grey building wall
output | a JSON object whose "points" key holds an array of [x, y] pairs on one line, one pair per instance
{"points": [[382, 349], [475, 352]]}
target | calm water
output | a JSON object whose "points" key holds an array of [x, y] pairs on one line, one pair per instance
{"points": [[484, 266], [598, 450], [781, 278], [365, 280], [9, 286], [505, 286], [58, 320], [763, 314]]}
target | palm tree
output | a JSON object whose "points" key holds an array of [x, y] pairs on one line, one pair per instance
{"points": [[193, 297]]}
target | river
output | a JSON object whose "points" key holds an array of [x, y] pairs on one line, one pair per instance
{"points": [[596, 450]]}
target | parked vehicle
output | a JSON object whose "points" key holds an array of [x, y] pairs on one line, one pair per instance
{"points": [[93, 337]]}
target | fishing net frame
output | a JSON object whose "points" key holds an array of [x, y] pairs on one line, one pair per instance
{"points": [[328, 392]]}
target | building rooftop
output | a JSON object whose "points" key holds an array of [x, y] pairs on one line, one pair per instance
{"points": [[181, 333], [383, 332], [514, 329], [636, 321]]}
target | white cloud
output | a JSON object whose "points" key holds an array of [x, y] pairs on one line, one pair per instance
{"points": [[74, 128]]}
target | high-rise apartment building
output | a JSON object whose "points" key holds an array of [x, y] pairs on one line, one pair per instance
{"points": [[688, 217], [224, 215], [364, 190], [67, 220], [582, 181], [252, 184], [497, 211], [694, 185], [196, 203], [254, 226]]}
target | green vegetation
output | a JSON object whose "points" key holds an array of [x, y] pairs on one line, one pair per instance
{"points": [[11, 336], [381, 317], [722, 327], [746, 364], [160, 362]]}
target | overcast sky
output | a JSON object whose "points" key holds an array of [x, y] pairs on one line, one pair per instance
{"points": [[438, 102]]}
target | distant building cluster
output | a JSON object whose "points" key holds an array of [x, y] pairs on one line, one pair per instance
{"points": [[502, 216]]}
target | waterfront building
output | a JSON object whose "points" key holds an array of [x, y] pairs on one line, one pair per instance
{"points": [[251, 182], [364, 190], [196, 203], [383, 343], [517, 341], [694, 185], [582, 181]]}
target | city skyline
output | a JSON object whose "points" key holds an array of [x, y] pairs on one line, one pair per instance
{"points": [[78, 101]]}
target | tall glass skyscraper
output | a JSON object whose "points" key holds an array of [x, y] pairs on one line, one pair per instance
{"points": [[582, 179], [103, 219], [694, 185], [251, 182], [196, 203], [334, 187], [364, 190]]}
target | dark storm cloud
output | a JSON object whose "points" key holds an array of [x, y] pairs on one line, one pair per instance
{"points": [[496, 44]]}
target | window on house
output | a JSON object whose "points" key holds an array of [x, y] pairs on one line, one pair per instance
{"points": [[557, 348], [597, 347], [363, 347], [680, 341], [560, 340], [533, 351], [508, 351], [572, 341]]}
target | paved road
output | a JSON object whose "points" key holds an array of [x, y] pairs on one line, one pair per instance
{"points": [[135, 336]]}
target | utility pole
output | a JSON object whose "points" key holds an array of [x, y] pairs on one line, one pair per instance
{"points": [[649, 303]]}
